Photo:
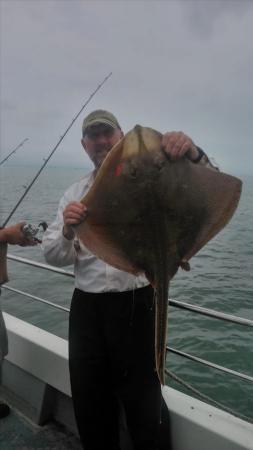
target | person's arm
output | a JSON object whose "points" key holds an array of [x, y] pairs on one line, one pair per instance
{"points": [[177, 144], [58, 250], [59, 243], [14, 235], [58, 239], [73, 214]]}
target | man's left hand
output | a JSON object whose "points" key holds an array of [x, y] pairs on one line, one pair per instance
{"points": [[177, 144]]}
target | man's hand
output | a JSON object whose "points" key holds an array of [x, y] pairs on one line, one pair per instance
{"points": [[177, 144], [14, 235], [73, 214]]}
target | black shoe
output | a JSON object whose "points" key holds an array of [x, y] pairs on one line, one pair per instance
{"points": [[4, 410]]}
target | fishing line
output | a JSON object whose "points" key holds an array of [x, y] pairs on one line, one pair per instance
{"points": [[54, 149], [13, 151]]}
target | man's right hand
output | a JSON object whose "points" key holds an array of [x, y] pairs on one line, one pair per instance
{"points": [[73, 214]]}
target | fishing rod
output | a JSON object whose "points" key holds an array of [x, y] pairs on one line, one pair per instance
{"points": [[13, 151], [54, 149]]}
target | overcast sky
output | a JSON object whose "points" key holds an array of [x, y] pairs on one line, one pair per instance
{"points": [[177, 65]]}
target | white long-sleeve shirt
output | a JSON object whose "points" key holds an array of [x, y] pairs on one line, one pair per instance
{"points": [[91, 274]]}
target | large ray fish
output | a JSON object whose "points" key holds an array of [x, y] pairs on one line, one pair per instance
{"points": [[147, 214]]}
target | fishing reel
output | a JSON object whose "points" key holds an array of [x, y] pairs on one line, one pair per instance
{"points": [[31, 232]]}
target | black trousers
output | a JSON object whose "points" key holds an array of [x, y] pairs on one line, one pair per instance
{"points": [[111, 360]]}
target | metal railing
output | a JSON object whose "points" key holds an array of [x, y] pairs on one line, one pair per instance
{"points": [[175, 303], [209, 364], [29, 262], [34, 297]]}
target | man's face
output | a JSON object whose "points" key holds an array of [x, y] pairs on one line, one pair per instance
{"points": [[99, 140]]}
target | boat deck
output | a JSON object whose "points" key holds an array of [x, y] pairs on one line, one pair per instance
{"points": [[17, 432]]}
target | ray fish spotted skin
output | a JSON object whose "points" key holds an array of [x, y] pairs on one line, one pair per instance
{"points": [[147, 214]]}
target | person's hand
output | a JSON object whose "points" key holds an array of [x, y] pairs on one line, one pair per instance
{"points": [[73, 214], [177, 144], [14, 235]]}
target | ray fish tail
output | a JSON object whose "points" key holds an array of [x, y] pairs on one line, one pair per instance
{"points": [[162, 286]]}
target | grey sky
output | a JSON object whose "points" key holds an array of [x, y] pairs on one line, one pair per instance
{"points": [[177, 65]]}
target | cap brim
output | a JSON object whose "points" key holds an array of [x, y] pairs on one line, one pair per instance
{"points": [[98, 122]]}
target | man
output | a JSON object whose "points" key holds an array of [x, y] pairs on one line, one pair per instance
{"points": [[111, 328], [9, 235]]}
